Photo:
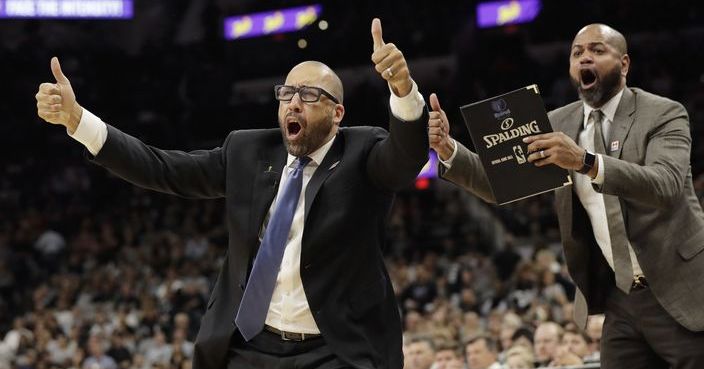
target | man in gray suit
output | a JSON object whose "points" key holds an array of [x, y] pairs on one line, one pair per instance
{"points": [[632, 228]]}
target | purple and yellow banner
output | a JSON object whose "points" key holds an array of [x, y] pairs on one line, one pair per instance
{"points": [[66, 9], [272, 22], [501, 13]]}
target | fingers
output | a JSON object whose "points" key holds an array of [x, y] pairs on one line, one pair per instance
{"points": [[376, 34], [56, 71], [51, 117], [386, 56], [390, 63], [48, 107], [542, 157], [49, 89], [542, 141]]}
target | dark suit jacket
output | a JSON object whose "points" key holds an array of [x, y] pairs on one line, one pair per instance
{"points": [[346, 203], [651, 175]]}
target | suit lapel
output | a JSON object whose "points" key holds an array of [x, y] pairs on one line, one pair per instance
{"points": [[623, 120], [266, 183], [330, 162]]}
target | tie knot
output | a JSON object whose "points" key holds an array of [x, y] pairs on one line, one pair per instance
{"points": [[303, 161], [596, 115]]}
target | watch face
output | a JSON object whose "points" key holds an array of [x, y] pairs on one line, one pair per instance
{"points": [[589, 160]]}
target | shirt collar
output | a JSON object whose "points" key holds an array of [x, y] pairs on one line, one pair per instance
{"points": [[316, 156], [608, 109]]}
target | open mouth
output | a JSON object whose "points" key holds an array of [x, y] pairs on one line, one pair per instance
{"points": [[293, 129], [588, 78]]}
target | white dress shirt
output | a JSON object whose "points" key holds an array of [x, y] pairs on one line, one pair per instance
{"points": [[592, 200], [289, 310]]}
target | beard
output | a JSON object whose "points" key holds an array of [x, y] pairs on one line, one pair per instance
{"points": [[310, 139], [604, 88]]}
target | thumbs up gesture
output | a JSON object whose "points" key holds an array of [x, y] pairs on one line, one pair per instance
{"points": [[439, 130], [56, 102], [390, 63]]}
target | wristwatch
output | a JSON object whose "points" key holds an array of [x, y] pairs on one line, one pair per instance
{"points": [[587, 162]]}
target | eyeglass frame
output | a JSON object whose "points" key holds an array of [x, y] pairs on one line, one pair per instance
{"points": [[296, 90]]}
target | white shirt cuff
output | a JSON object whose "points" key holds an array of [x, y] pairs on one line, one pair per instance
{"points": [[448, 163], [91, 132], [599, 179], [409, 107]]}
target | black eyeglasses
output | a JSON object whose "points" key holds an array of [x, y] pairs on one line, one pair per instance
{"points": [[307, 94]]}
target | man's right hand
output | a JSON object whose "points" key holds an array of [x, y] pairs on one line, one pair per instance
{"points": [[56, 102], [439, 130]]}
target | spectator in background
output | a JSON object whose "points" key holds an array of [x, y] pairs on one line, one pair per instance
{"points": [[447, 356], [578, 342], [119, 351], [523, 336], [519, 357], [509, 325], [547, 338], [482, 353], [420, 292], [420, 353], [96, 355]]}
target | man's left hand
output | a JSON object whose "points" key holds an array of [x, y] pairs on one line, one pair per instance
{"points": [[390, 63], [554, 148]]}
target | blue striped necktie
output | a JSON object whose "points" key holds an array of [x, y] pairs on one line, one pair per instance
{"points": [[254, 307]]}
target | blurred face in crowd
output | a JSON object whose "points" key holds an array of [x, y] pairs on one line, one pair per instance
{"points": [[576, 343], [446, 359], [306, 126], [419, 355], [505, 337], [95, 346], [547, 339], [519, 358], [479, 356], [595, 326], [598, 63]]}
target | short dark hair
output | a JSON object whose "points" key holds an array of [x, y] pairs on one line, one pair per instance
{"points": [[489, 341], [523, 332], [422, 338], [582, 333]]}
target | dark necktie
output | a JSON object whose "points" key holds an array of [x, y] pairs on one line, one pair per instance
{"points": [[260, 286], [617, 229]]}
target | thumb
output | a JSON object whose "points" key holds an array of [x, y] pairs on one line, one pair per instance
{"points": [[376, 34], [434, 102], [56, 70]]}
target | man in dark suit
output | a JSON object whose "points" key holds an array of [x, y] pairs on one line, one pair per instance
{"points": [[631, 226], [303, 284]]}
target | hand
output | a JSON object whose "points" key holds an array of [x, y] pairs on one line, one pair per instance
{"points": [[554, 148], [56, 102], [439, 130], [390, 63]]}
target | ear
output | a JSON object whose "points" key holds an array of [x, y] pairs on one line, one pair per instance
{"points": [[338, 113], [625, 65]]}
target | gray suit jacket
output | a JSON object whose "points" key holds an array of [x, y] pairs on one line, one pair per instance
{"points": [[651, 175]]}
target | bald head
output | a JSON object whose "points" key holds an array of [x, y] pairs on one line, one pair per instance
{"points": [[317, 74], [610, 36]]}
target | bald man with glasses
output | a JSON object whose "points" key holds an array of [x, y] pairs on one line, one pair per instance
{"points": [[303, 284]]}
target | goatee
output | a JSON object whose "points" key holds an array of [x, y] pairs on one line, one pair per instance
{"points": [[603, 90]]}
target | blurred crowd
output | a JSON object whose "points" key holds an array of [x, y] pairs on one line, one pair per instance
{"points": [[97, 274]]}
